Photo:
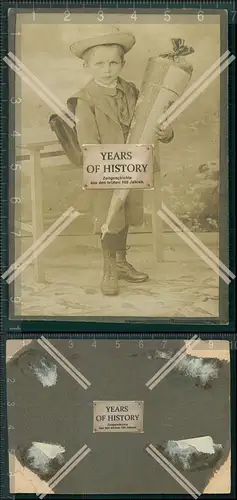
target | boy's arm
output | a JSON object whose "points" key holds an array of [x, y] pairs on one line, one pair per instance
{"points": [[87, 130]]}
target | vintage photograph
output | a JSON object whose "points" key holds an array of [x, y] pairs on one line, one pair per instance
{"points": [[118, 416], [100, 227]]}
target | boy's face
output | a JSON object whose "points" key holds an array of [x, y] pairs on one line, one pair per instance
{"points": [[104, 63]]}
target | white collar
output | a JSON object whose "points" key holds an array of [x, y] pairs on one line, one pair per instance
{"points": [[111, 86]]}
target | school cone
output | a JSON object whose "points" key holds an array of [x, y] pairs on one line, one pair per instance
{"points": [[165, 80]]}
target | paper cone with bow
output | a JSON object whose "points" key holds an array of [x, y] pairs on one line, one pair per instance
{"points": [[165, 79]]}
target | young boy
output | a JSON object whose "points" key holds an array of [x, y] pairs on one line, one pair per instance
{"points": [[105, 109]]}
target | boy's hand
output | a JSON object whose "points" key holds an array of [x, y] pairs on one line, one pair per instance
{"points": [[164, 133]]}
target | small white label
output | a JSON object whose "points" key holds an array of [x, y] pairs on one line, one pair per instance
{"points": [[118, 416], [117, 166], [202, 444]]}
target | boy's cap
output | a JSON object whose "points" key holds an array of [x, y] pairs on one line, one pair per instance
{"points": [[107, 35]]}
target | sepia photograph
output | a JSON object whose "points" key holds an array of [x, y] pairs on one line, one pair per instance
{"points": [[118, 416], [119, 185]]}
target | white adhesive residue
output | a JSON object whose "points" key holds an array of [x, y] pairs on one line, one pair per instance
{"points": [[195, 367], [51, 450], [184, 455], [41, 454], [186, 449], [47, 375]]}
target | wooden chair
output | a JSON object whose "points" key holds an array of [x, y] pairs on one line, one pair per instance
{"points": [[35, 152]]}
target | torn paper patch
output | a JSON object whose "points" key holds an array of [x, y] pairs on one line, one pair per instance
{"points": [[192, 454], [45, 459], [198, 368], [46, 374], [42, 367]]}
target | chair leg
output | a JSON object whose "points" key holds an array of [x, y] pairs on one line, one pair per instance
{"points": [[157, 223], [37, 209]]}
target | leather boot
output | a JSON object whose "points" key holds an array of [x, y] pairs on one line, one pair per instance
{"points": [[109, 285], [127, 272]]}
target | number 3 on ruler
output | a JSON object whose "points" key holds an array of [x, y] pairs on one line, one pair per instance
{"points": [[100, 15]]}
